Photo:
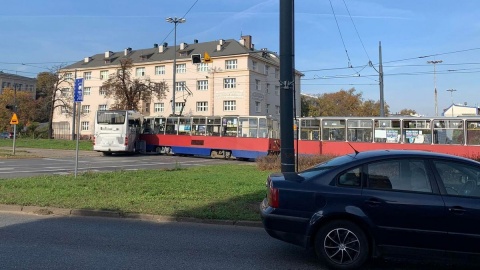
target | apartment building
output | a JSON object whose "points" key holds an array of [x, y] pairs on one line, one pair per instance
{"points": [[21, 83], [239, 80]]}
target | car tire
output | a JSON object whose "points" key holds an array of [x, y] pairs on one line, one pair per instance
{"points": [[342, 245]]}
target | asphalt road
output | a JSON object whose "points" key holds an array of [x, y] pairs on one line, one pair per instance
{"points": [[57, 242], [63, 162]]}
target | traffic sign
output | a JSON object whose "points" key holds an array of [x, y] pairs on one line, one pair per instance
{"points": [[78, 90], [14, 120], [206, 58]]}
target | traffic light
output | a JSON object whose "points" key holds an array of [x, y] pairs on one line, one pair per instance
{"points": [[196, 58], [12, 108]]}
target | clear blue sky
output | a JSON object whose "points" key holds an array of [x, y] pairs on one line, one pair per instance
{"points": [[37, 33]]}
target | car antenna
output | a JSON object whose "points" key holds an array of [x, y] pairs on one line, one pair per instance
{"points": [[356, 152]]}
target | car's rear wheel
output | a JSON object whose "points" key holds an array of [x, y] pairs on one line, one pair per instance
{"points": [[342, 245]]}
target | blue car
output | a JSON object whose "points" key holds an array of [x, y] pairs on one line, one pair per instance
{"points": [[6, 135], [378, 204]]}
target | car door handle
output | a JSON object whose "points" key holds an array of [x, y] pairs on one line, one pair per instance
{"points": [[457, 210], [373, 202]]}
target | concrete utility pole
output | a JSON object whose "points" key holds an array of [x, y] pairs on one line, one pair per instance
{"points": [[287, 70], [175, 21], [380, 78], [451, 96], [435, 62]]}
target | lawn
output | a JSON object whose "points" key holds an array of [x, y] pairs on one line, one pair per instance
{"points": [[47, 144], [226, 192]]}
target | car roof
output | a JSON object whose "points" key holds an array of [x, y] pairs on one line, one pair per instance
{"points": [[378, 154]]}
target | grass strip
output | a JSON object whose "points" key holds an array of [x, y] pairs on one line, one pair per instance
{"points": [[225, 192]]}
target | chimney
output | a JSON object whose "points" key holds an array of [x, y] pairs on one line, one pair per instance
{"points": [[127, 51], [87, 59], [221, 41], [195, 41], [247, 42], [155, 45], [219, 47], [162, 48], [108, 54], [183, 45]]}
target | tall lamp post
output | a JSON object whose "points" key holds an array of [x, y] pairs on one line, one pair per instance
{"points": [[435, 62], [175, 21], [451, 96]]}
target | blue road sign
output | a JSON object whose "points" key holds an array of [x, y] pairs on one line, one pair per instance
{"points": [[78, 90]]}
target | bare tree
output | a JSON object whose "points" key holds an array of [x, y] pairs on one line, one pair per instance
{"points": [[128, 91], [52, 85]]}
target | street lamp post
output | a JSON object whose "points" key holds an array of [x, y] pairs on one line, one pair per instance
{"points": [[451, 96], [435, 62], [175, 21]]}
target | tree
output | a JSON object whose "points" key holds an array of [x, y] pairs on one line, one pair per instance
{"points": [[341, 103], [127, 91], [408, 112], [49, 85], [25, 108]]}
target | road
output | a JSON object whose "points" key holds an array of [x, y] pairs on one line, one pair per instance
{"points": [[63, 162], [56, 242]]}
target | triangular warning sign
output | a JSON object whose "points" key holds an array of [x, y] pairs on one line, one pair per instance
{"points": [[206, 58], [14, 120]]}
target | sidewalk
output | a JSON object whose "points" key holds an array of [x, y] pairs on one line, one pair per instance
{"points": [[113, 214]]}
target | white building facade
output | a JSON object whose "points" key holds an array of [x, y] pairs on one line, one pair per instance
{"points": [[239, 80]]}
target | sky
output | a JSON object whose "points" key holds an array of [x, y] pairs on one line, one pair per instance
{"points": [[335, 40]]}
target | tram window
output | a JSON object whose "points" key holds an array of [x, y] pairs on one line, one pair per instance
{"points": [[473, 132], [448, 132]]}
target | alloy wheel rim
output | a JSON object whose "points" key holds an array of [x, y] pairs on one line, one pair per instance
{"points": [[342, 246]]}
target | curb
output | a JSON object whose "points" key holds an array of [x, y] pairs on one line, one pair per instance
{"points": [[38, 210]]}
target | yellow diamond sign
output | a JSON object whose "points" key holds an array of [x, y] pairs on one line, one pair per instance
{"points": [[14, 120]]}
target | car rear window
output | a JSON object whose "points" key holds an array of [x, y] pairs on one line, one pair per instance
{"points": [[325, 167]]}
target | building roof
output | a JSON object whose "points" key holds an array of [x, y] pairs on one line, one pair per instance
{"points": [[14, 76], [229, 47]]}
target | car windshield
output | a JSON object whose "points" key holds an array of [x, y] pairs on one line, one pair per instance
{"points": [[325, 167]]}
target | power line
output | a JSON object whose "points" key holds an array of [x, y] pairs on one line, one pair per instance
{"points": [[340, 32], [356, 30]]}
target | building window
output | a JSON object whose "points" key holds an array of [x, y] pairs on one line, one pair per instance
{"points": [[85, 108], [267, 89], [267, 108], [258, 106], [182, 68], [63, 109], [140, 72], [102, 91], [254, 65], [277, 109], [202, 85], [230, 83], [231, 64], [266, 69], [86, 91], [87, 76], [68, 76], [159, 70], [147, 107], [158, 107], [64, 92], [257, 85], [103, 74], [102, 107], [277, 90], [180, 86], [277, 73], [202, 106], [229, 105], [202, 67], [179, 106], [85, 125]]}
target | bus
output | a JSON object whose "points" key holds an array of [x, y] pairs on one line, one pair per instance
{"points": [[117, 131]]}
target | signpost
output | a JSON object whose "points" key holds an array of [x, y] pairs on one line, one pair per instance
{"points": [[77, 98]]}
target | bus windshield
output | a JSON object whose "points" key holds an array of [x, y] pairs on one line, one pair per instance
{"points": [[111, 118]]}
